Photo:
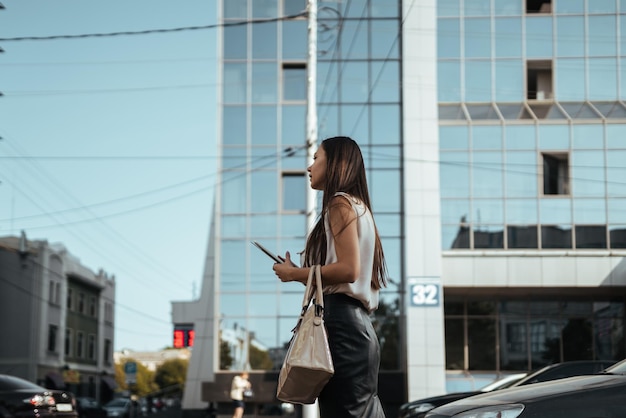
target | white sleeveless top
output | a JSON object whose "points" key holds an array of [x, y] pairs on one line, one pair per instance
{"points": [[361, 289]]}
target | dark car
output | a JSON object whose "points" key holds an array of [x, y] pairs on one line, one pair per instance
{"points": [[599, 395], [120, 408], [419, 408], [89, 408], [20, 398]]}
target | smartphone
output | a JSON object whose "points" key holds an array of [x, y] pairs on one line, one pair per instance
{"points": [[270, 254]]}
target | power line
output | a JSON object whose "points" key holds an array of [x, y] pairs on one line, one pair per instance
{"points": [[151, 31]]}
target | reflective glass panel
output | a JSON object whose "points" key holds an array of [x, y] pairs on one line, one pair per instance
{"points": [[295, 39], [521, 174], [556, 236], [234, 186], [522, 236], [264, 41], [233, 271], [539, 36], [455, 210], [521, 211], [455, 344], [587, 173], [294, 83], [385, 120], [451, 112], [263, 125], [264, 226], [553, 137], [354, 121], [384, 39], [388, 225], [385, 190], [385, 83], [477, 8], [455, 237], [487, 137], [448, 8], [616, 173], [488, 236], [294, 125], [603, 79], [570, 34], [264, 8], [513, 343], [510, 81], [488, 211], [328, 120], [477, 38], [355, 8], [263, 191], [507, 7], [448, 38], [589, 211], [508, 37], [263, 158], [235, 8], [449, 81], [602, 36], [519, 137], [384, 8], [616, 136], [601, 6], [487, 172], [293, 7], [234, 157], [453, 137], [590, 236], [569, 6], [294, 192], [235, 83], [354, 82], [618, 236], [481, 112], [454, 174], [617, 211], [354, 39], [233, 226], [234, 118], [588, 136], [477, 81], [235, 42], [384, 157], [570, 79], [555, 210]]}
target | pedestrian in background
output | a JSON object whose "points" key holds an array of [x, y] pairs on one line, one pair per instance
{"points": [[345, 242], [238, 385]]}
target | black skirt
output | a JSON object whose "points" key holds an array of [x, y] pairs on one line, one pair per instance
{"points": [[353, 390]]}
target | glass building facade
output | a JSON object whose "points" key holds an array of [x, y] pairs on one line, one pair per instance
{"points": [[531, 194]]}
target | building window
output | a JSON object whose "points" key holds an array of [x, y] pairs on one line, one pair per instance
{"points": [[53, 330], [91, 347], [70, 299], [108, 312], [80, 344], [294, 81], [539, 80], [81, 302], [106, 353], [555, 173], [69, 333], [92, 306], [294, 192], [293, 7], [538, 6]]}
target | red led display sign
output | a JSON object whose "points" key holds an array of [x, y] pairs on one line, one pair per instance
{"points": [[183, 336]]}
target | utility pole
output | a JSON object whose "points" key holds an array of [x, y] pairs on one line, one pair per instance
{"points": [[311, 411]]}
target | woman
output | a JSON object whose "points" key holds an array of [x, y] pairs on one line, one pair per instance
{"points": [[238, 385], [345, 242]]}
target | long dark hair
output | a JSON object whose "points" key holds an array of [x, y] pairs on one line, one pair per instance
{"points": [[345, 172]]}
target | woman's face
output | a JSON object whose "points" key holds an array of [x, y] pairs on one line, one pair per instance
{"points": [[317, 170]]}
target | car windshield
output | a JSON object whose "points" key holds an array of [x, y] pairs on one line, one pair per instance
{"points": [[619, 368]]}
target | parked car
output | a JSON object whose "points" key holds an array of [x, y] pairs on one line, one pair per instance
{"points": [[119, 408], [20, 398], [599, 395], [89, 408], [419, 408]]}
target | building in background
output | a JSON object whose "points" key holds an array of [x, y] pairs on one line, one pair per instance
{"points": [[58, 318], [493, 134]]}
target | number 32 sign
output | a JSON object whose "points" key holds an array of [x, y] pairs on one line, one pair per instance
{"points": [[424, 294]]}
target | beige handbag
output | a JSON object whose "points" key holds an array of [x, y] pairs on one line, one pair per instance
{"points": [[308, 365]]}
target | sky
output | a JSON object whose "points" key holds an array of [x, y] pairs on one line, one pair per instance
{"points": [[108, 145]]}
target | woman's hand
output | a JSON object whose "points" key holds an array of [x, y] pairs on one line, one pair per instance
{"points": [[286, 271]]}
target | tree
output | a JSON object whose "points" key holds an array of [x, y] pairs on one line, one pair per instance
{"points": [[172, 372], [144, 380], [260, 360], [226, 360]]}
